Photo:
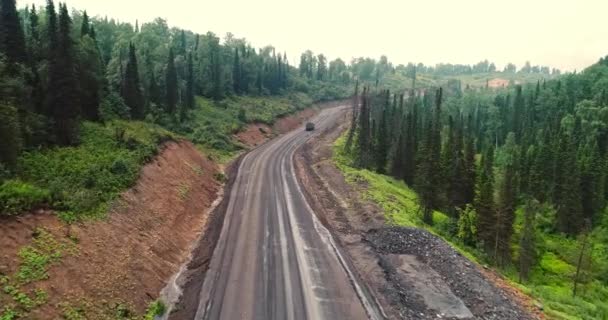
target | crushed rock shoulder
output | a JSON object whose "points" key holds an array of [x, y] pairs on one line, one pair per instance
{"points": [[461, 275]]}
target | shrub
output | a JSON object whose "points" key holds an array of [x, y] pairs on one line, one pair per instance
{"points": [[156, 308], [17, 196]]}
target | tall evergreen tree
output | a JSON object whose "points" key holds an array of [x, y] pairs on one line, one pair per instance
{"points": [[383, 139], [190, 83], [469, 178], [64, 104], [429, 171], [236, 72], [505, 216], [171, 83], [131, 88], [527, 246], [12, 39], [364, 142], [85, 28], [484, 203]]}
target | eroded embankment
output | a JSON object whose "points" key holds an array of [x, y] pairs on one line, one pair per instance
{"points": [[124, 261]]}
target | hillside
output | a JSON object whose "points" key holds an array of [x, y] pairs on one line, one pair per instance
{"points": [[516, 178]]}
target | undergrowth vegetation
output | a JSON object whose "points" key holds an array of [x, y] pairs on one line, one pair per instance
{"points": [[551, 280], [81, 181]]}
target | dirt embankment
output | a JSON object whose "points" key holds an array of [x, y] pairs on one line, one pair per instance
{"points": [[257, 133], [412, 273], [128, 258]]}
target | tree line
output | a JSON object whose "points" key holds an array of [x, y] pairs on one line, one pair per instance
{"points": [[58, 69], [479, 155]]}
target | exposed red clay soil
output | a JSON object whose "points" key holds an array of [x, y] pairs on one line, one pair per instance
{"points": [[254, 134], [286, 124], [257, 133], [129, 257]]}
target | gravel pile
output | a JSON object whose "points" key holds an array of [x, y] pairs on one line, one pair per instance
{"points": [[482, 298]]}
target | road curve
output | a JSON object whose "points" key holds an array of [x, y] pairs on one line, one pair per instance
{"points": [[274, 259]]}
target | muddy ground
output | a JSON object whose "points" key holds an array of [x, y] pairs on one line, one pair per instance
{"points": [[412, 273]]}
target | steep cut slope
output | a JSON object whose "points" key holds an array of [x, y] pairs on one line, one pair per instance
{"points": [[121, 264]]}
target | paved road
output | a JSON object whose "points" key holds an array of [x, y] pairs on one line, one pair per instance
{"points": [[274, 259]]}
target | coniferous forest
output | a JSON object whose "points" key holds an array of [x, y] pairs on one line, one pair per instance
{"points": [[518, 175]]}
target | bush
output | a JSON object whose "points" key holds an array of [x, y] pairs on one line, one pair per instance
{"points": [[17, 196], [113, 107], [156, 308]]}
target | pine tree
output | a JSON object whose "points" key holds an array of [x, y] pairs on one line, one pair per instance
{"points": [[567, 188], [354, 115], [429, 171], [470, 174], [190, 83], [90, 77], [593, 174], [399, 158], [85, 27], [527, 245], [484, 202], [12, 39], [236, 72], [171, 83], [505, 216], [64, 104], [131, 88], [383, 140], [364, 142]]}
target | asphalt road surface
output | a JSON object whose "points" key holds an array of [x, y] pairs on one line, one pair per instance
{"points": [[274, 259]]}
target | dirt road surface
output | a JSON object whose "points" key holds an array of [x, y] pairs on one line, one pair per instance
{"points": [[274, 259]]}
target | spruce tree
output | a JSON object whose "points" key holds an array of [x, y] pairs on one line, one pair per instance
{"points": [[429, 171], [171, 85], [470, 173], [190, 83], [568, 188], [484, 202], [236, 72], [383, 140], [131, 88], [63, 90], [12, 39], [505, 216], [364, 136], [527, 245], [353, 120], [85, 27]]}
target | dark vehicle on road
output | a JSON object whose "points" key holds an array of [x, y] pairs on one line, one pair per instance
{"points": [[310, 126]]}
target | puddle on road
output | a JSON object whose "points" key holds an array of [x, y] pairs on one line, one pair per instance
{"points": [[430, 286]]}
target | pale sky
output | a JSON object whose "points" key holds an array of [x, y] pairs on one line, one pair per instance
{"points": [[567, 34]]}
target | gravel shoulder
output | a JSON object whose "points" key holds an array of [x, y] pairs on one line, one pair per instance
{"points": [[412, 273]]}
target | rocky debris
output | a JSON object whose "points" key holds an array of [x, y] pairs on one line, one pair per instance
{"points": [[483, 299]]}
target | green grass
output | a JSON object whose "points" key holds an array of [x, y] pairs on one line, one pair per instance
{"points": [[551, 279]]}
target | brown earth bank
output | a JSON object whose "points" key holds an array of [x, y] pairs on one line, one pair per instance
{"points": [[257, 133], [412, 273], [124, 261]]}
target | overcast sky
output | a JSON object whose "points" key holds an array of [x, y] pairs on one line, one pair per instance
{"points": [[567, 34]]}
